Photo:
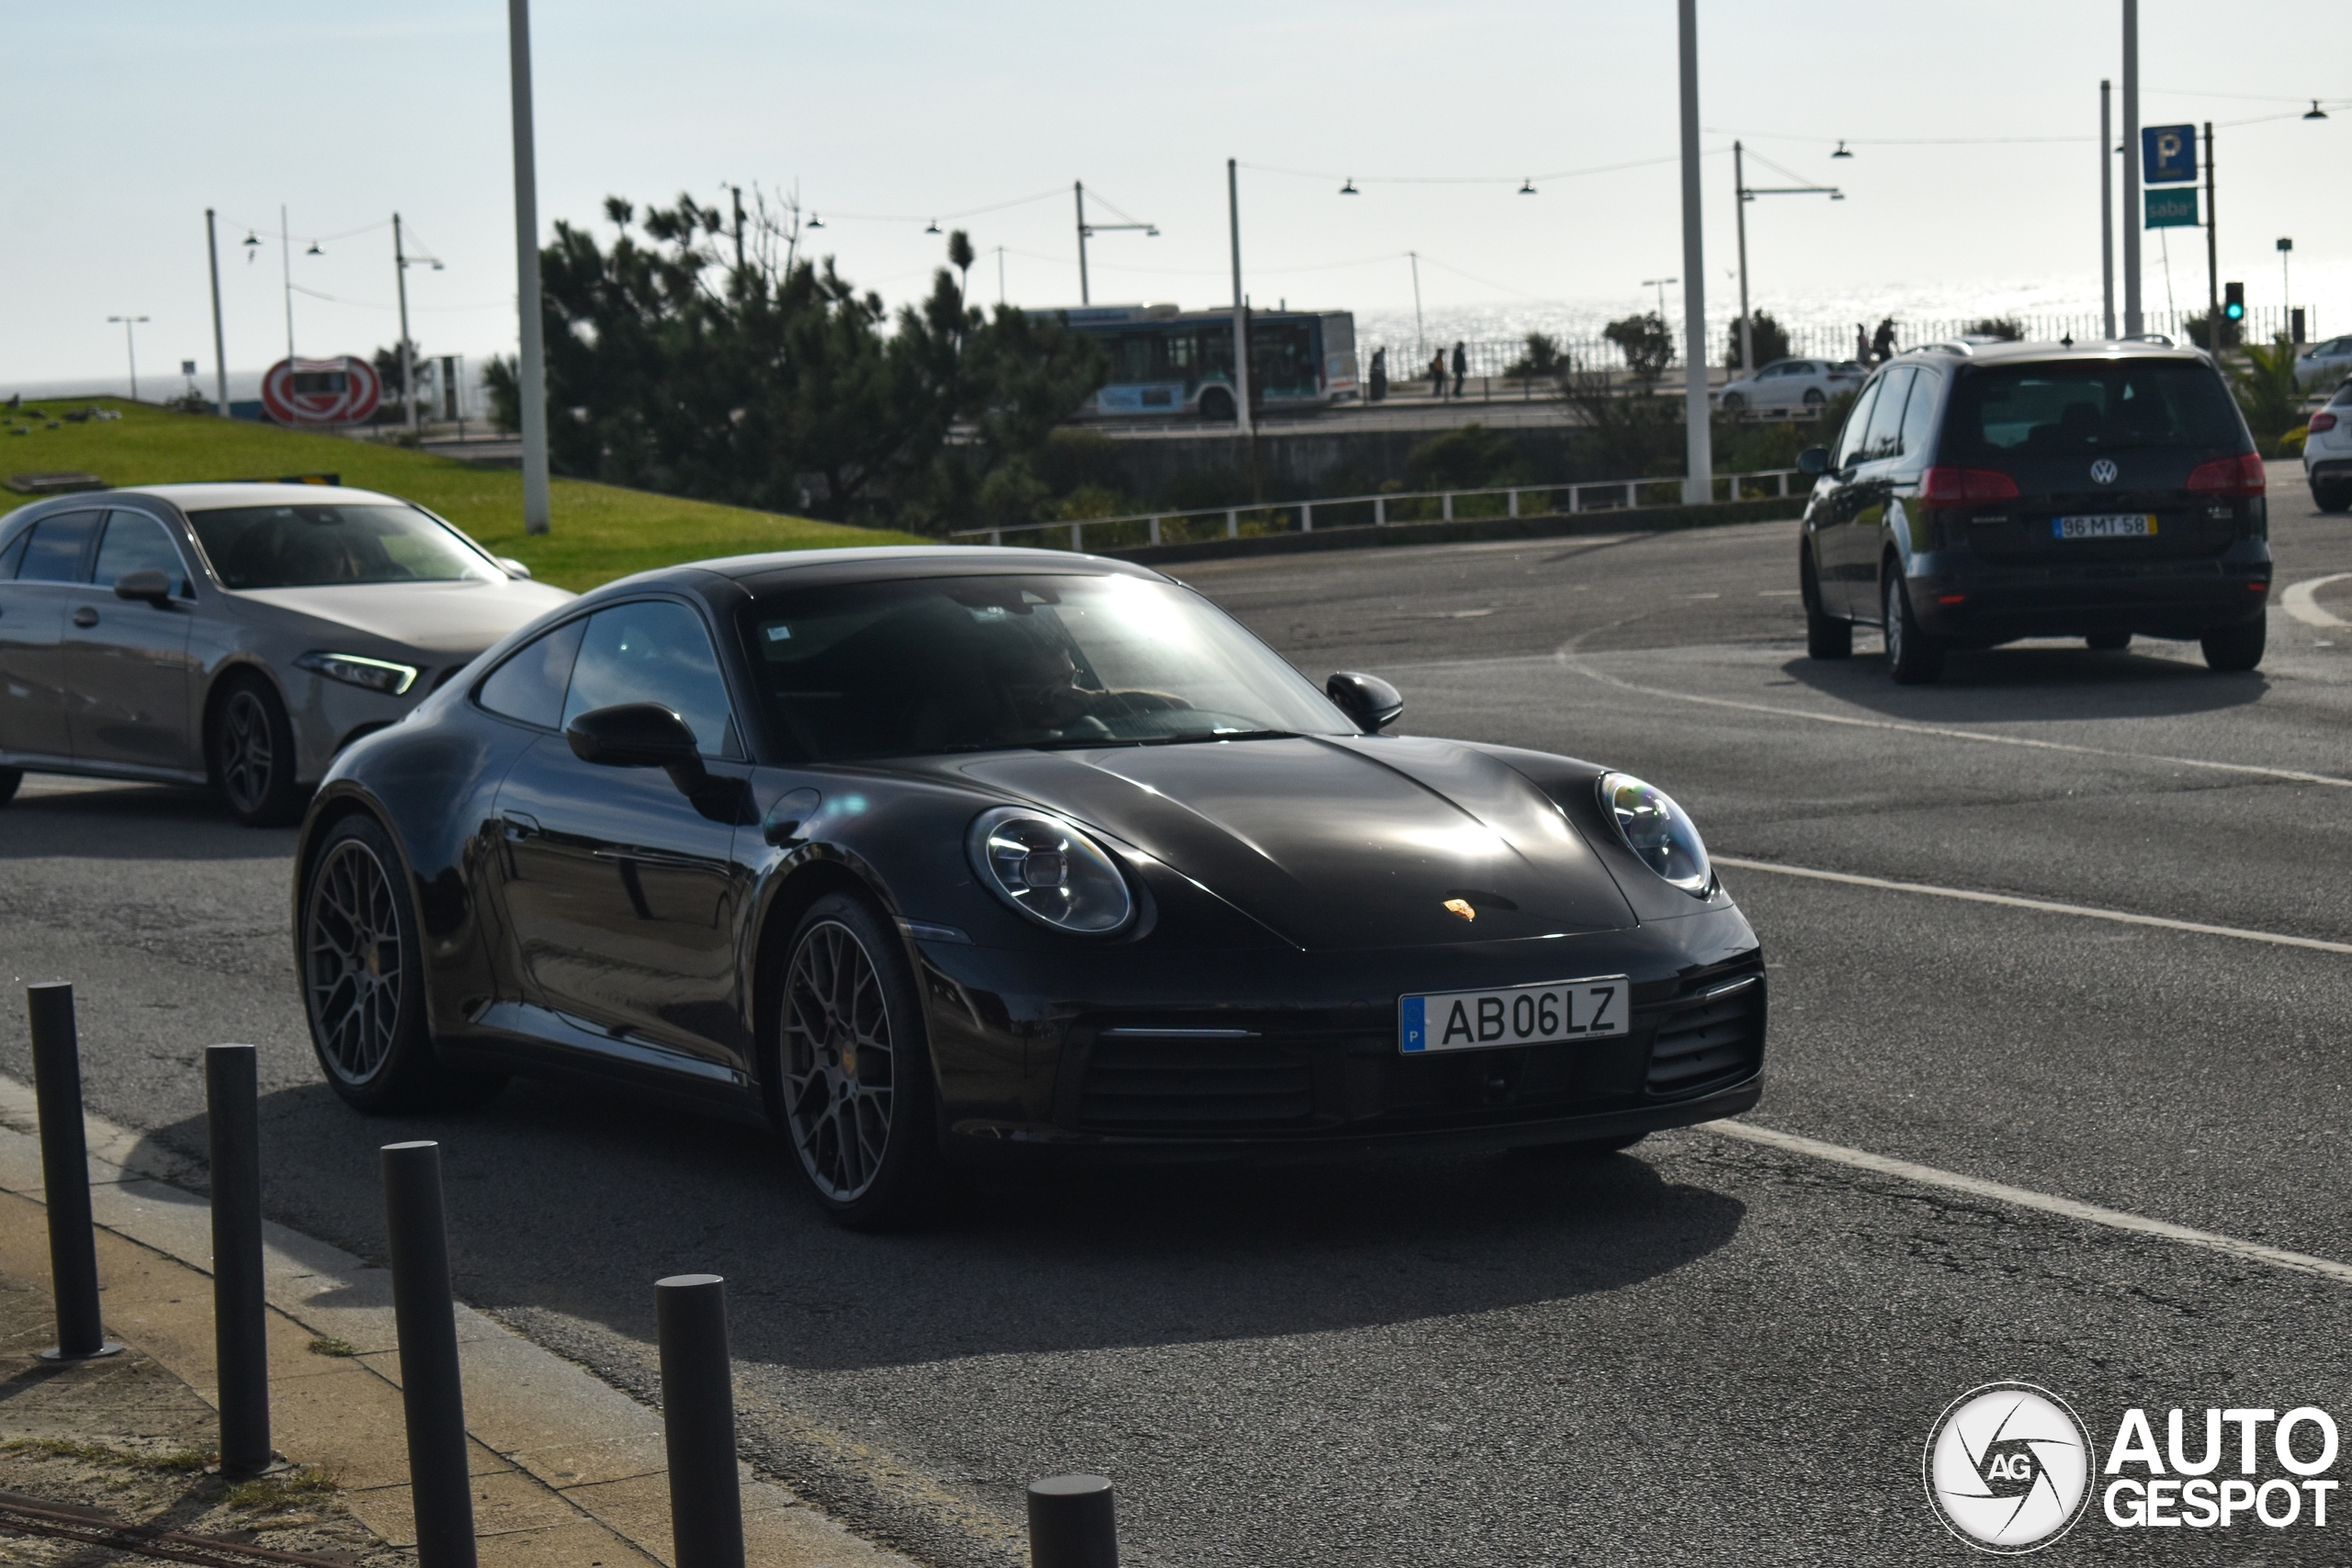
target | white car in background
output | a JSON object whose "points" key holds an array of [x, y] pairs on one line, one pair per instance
{"points": [[2327, 453], [1790, 385], [2324, 364]]}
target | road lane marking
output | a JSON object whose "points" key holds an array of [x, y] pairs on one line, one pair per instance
{"points": [[2025, 1197], [2301, 603], [2044, 905], [2293, 775]]}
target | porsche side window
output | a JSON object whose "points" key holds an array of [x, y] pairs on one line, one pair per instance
{"points": [[529, 684], [654, 651]]}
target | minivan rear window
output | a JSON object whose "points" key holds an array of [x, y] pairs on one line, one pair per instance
{"points": [[2087, 406]]}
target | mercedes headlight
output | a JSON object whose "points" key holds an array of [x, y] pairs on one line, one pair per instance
{"points": [[1050, 871], [351, 669], [1657, 831]]}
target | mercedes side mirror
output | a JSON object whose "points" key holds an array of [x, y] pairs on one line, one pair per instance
{"points": [[1370, 701], [513, 567], [638, 735], [1813, 461], [148, 585]]}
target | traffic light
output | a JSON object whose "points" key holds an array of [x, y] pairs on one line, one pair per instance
{"points": [[2233, 301]]}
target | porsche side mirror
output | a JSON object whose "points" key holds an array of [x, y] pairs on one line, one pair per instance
{"points": [[146, 585], [638, 735], [1813, 461], [1370, 701]]}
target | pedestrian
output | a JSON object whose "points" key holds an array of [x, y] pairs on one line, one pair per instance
{"points": [[1861, 343], [1379, 374], [1460, 367], [1882, 345], [1437, 375]]}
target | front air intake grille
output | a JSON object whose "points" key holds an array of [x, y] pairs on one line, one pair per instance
{"points": [[1195, 1086], [1710, 1037]]}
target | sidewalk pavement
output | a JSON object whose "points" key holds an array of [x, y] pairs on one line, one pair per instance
{"points": [[567, 1469]]}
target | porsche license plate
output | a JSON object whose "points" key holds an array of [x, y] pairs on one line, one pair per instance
{"points": [[1523, 1015], [2105, 525]]}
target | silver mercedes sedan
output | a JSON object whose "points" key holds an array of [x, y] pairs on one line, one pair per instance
{"points": [[238, 635]]}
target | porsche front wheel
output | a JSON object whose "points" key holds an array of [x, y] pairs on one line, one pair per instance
{"points": [[854, 1074]]}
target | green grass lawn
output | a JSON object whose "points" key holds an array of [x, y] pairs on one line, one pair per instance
{"points": [[599, 532]]}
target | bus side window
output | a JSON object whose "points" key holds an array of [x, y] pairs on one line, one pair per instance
{"points": [[1179, 352]]}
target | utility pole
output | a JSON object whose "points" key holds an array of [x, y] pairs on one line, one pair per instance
{"points": [[2212, 256], [286, 273], [1241, 309], [531, 372], [128, 324], [2107, 209], [220, 349], [1084, 296], [1699, 483], [2133, 325], [2285, 290], [408, 351], [1420, 337], [1739, 206]]}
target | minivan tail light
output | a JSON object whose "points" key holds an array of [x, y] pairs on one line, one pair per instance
{"points": [[2323, 421], [1963, 486], [2241, 475]]}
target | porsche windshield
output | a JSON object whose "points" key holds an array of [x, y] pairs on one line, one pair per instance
{"points": [[921, 665], [307, 547]]}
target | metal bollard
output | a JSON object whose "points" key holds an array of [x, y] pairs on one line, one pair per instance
{"points": [[1072, 1523], [431, 1397], [698, 1421], [65, 1174], [239, 1311]]}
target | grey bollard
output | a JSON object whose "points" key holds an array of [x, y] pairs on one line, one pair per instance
{"points": [[431, 1397], [239, 1311], [66, 1176], [698, 1421], [1072, 1523]]}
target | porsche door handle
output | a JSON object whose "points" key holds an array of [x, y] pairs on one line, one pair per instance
{"points": [[86, 616]]}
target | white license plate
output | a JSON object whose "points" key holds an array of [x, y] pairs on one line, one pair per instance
{"points": [[2105, 525], [1523, 1015]]}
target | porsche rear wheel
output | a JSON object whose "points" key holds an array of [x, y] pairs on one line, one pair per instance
{"points": [[854, 1073]]}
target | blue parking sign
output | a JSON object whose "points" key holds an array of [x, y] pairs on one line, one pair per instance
{"points": [[2167, 153]]}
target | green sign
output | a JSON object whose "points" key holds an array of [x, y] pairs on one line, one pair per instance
{"points": [[2172, 208]]}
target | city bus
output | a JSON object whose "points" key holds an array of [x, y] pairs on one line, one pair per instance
{"points": [[1174, 364]]}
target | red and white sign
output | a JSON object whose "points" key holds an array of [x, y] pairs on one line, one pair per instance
{"points": [[320, 391]]}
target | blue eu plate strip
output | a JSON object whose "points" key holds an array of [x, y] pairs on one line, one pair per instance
{"points": [[1415, 1034]]}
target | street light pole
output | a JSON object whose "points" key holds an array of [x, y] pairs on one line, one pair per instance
{"points": [[1421, 336], [2212, 255], [2106, 210], [1085, 296], [1699, 483], [220, 350], [531, 375], [128, 324], [285, 275], [2133, 325], [1240, 311], [408, 353], [2286, 291], [1740, 208]]}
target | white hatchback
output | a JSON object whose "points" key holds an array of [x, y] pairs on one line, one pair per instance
{"points": [[1790, 385], [2327, 453]]}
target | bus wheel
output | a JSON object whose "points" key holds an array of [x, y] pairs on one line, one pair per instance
{"points": [[1217, 406]]}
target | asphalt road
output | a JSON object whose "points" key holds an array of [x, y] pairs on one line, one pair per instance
{"points": [[1701, 1351]]}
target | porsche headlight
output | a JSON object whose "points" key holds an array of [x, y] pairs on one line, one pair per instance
{"points": [[1050, 871], [1660, 832]]}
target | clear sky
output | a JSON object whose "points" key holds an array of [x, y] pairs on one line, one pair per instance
{"points": [[125, 118]]}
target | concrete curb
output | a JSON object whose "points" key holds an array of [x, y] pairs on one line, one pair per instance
{"points": [[1548, 526], [567, 1468]]}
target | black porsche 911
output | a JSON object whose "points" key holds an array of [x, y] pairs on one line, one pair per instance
{"points": [[930, 857]]}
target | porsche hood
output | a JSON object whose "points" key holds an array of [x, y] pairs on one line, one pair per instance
{"points": [[1336, 842]]}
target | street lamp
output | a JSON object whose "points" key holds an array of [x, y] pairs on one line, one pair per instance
{"points": [[128, 322], [1660, 284], [1748, 193], [1086, 230]]}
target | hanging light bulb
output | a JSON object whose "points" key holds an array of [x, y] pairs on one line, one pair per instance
{"points": [[2317, 112], [314, 250], [1841, 151], [934, 227], [1527, 187], [252, 246], [815, 221], [1349, 188]]}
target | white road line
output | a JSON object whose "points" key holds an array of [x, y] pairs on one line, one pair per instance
{"points": [[2024, 1197], [2121, 917], [2300, 603], [2297, 776]]}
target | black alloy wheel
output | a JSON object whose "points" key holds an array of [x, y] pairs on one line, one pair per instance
{"points": [[10, 778], [2107, 642], [251, 748], [855, 1076], [1814, 398], [1825, 636], [1913, 658], [2234, 649], [1735, 402], [363, 981]]}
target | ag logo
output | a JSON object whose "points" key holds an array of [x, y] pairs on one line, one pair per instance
{"points": [[2103, 472], [2008, 1468]]}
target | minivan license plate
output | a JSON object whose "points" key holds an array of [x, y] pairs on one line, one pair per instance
{"points": [[2105, 525], [1521, 1015]]}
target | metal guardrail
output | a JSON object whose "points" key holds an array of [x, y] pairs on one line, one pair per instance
{"points": [[1386, 510]]}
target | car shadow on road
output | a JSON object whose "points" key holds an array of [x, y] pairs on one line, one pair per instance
{"points": [[574, 1202], [132, 822], [2035, 682]]}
